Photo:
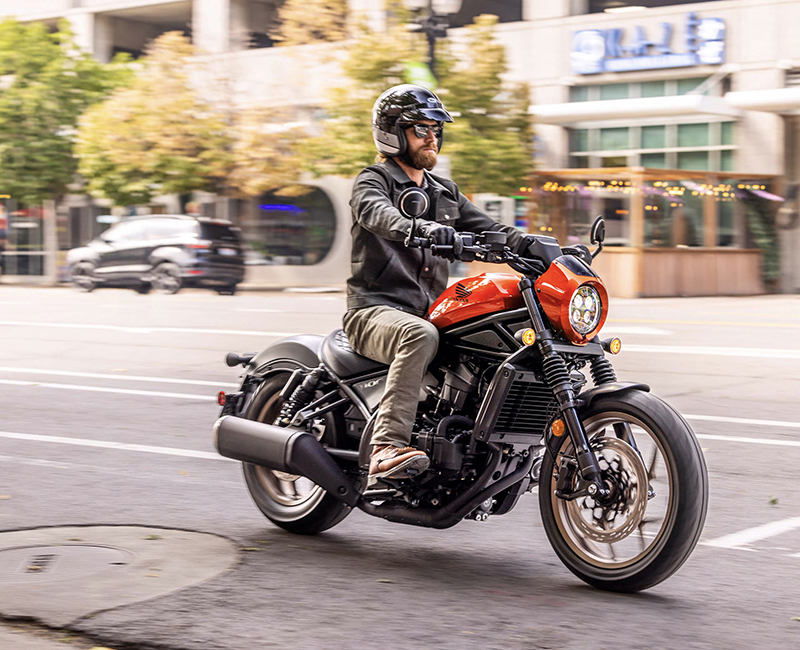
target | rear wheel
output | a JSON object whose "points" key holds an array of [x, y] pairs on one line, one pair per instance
{"points": [[83, 277], [292, 502], [228, 290], [167, 278], [649, 525]]}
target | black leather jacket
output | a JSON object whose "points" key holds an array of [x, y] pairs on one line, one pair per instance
{"points": [[384, 271]]}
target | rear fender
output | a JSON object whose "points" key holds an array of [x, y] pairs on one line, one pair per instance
{"points": [[300, 351]]}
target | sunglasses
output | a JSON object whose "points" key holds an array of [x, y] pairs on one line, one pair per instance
{"points": [[421, 130]]}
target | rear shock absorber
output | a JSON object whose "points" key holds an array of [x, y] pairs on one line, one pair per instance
{"points": [[301, 397], [602, 371]]}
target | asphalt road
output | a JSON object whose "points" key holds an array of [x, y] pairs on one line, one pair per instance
{"points": [[85, 376]]}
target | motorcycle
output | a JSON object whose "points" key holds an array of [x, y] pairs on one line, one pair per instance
{"points": [[504, 410]]}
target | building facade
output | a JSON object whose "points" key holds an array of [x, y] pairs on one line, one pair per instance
{"points": [[677, 121]]}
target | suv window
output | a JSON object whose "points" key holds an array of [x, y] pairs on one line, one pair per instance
{"points": [[218, 232], [168, 228], [125, 231]]}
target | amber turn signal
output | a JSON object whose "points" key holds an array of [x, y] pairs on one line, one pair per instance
{"points": [[612, 346], [558, 428]]}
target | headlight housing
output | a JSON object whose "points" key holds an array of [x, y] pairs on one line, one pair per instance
{"points": [[573, 298]]}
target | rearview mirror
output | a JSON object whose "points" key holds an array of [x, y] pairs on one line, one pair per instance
{"points": [[413, 202], [598, 232]]}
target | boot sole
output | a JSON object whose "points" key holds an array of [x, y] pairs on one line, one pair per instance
{"points": [[417, 463]]}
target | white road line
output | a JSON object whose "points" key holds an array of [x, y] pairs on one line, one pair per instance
{"points": [[751, 441], [744, 537], [98, 389], [105, 444], [757, 423], [759, 353], [37, 462], [634, 329], [147, 330], [118, 376]]}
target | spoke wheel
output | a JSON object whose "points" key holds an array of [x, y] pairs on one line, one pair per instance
{"points": [[167, 278], [649, 524]]}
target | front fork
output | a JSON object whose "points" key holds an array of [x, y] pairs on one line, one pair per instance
{"points": [[557, 376]]}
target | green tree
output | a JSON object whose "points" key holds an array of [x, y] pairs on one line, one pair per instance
{"points": [[46, 82], [311, 21], [491, 142], [157, 136]]}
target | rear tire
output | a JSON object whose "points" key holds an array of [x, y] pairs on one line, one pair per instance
{"points": [[293, 503], [167, 278], [660, 496], [229, 290]]}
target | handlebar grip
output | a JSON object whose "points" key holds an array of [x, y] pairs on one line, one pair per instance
{"points": [[419, 242]]}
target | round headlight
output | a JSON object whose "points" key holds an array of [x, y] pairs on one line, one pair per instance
{"points": [[585, 309]]}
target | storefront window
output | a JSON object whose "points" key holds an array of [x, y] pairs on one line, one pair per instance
{"points": [[293, 226], [653, 89], [693, 160], [653, 137], [655, 160], [726, 136], [688, 85], [726, 161], [579, 140], [693, 135], [614, 91], [579, 93], [617, 138]]}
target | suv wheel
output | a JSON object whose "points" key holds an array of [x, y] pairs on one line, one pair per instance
{"points": [[227, 291], [83, 277], [167, 278]]}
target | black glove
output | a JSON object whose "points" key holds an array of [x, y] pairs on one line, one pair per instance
{"points": [[440, 236]]}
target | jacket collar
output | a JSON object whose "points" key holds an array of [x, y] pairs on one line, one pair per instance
{"points": [[399, 176]]}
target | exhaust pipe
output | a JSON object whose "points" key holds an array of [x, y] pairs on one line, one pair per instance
{"points": [[286, 450]]}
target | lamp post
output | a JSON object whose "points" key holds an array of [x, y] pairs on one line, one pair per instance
{"points": [[433, 22]]}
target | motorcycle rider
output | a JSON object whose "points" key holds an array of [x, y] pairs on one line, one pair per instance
{"points": [[392, 286]]}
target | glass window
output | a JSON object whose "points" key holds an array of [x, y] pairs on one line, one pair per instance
{"points": [[579, 140], [218, 231], [653, 137], [653, 89], [693, 160], [726, 136], [726, 161], [615, 161], [657, 160], [579, 162], [614, 91], [725, 222], [614, 138], [692, 135], [579, 93], [688, 85], [125, 231], [291, 225]]}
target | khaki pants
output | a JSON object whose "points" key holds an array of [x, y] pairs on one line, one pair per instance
{"points": [[408, 344]]}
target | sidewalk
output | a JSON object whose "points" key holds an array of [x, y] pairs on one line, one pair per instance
{"points": [[25, 637]]}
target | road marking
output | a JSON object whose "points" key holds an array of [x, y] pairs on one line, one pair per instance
{"points": [[760, 353], [147, 330], [38, 462], [635, 329], [751, 441], [706, 322], [743, 537], [106, 444], [98, 389], [93, 375], [758, 423]]}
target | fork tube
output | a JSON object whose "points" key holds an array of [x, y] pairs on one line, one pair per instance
{"points": [[557, 375]]}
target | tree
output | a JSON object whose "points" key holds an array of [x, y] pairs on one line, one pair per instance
{"points": [[47, 82], [157, 136], [311, 21], [375, 62], [491, 143]]}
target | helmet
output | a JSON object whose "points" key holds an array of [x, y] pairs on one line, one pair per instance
{"points": [[403, 104]]}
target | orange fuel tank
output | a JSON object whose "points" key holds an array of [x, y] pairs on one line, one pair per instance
{"points": [[483, 294]]}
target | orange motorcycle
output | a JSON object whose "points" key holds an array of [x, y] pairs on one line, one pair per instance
{"points": [[504, 410]]}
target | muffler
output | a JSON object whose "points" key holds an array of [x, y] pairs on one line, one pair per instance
{"points": [[286, 450]]}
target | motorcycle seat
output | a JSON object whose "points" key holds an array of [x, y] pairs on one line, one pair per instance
{"points": [[340, 357]]}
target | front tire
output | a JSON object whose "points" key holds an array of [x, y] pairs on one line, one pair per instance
{"points": [[292, 502], [653, 520], [167, 278], [83, 277]]}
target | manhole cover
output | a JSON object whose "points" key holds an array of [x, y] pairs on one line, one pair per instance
{"points": [[34, 564]]}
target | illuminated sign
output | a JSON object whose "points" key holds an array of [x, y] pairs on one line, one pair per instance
{"points": [[603, 50]]}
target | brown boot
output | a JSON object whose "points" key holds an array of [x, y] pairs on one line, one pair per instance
{"points": [[387, 461]]}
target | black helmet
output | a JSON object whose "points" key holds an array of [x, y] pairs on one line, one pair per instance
{"points": [[402, 105]]}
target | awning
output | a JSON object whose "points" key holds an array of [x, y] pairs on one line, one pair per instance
{"points": [[620, 109], [776, 100]]}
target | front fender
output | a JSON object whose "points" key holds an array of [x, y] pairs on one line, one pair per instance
{"points": [[584, 400]]}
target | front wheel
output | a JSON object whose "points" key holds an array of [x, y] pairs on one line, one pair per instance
{"points": [[648, 526], [167, 278], [292, 502]]}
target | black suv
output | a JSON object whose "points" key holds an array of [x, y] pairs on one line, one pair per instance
{"points": [[164, 252]]}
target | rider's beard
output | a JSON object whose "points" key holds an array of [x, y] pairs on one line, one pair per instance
{"points": [[422, 158]]}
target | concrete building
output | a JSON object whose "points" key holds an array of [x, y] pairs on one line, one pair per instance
{"points": [[678, 121]]}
